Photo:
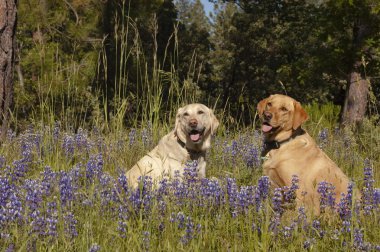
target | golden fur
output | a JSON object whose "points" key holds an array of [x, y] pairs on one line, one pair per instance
{"points": [[298, 154]]}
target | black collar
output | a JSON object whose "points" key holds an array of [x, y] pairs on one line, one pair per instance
{"points": [[193, 153], [271, 145]]}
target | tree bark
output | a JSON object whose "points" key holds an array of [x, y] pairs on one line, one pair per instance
{"points": [[355, 103], [8, 18]]}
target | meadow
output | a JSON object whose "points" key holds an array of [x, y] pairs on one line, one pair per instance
{"points": [[65, 190]]}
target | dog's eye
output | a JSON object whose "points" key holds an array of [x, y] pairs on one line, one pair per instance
{"points": [[269, 104], [200, 112], [284, 109], [185, 114]]}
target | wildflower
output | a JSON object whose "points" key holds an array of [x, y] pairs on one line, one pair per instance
{"points": [[52, 218], [2, 162], [132, 136], [359, 243], [277, 201], [147, 135], [368, 191], [81, 140], [94, 167], [56, 131], [94, 248], [146, 240], [323, 137], [70, 225], [66, 188], [290, 194], [68, 145], [262, 191], [190, 173], [344, 209], [326, 190], [308, 243]]}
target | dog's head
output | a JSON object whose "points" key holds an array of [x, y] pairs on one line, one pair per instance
{"points": [[280, 113], [194, 125]]}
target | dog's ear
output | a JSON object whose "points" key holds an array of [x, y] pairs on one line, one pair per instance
{"points": [[177, 127], [300, 115], [214, 122], [261, 106]]}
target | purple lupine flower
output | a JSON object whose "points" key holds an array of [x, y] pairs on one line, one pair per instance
{"points": [[189, 230], [262, 191], [146, 240], [33, 202], [179, 189], [122, 223], [122, 183], [308, 243], [287, 231], [20, 168], [232, 193], [132, 136], [70, 225], [66, 189], [2, 162], [190, 173], [245, 198], [323, 137], [10, 205], [52, 218], [147, 135], [94, 167], [94, 248], [376, 197], [327, 192], [81, 141], [318, 228], [302, 218], [368, 188], [252, 156], [277, 201], [56, 131], [68, 145], [344, 209], [141, 197], [290, 194], [48, 180], [11, 135], [211, 192], [359, 243], [107, 190]]}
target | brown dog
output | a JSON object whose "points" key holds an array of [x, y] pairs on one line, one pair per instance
{"points": [[289, 150]]}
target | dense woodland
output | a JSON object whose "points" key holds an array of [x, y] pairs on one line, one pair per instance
{"points": [[87, 62]]}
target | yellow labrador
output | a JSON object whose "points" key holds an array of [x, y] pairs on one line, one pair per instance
{"points": [[191, 137], [289, 150]]}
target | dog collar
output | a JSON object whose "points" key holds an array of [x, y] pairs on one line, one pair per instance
{"points": [[272, 145], [191, 152]]}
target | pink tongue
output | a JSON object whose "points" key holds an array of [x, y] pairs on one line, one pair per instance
{"points": [[195, 137], [266, 128]]}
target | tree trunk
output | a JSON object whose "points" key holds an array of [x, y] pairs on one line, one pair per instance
{"points": [[356, 99], [8, 11]]}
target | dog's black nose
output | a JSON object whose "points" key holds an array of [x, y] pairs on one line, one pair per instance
{"points": [[267, 115]]}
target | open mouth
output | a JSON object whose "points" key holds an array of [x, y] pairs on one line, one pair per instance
{"points": [[266, 127], [196, 135]]}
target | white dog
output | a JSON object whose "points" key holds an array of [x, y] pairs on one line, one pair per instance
{"points": [[191, 137]]}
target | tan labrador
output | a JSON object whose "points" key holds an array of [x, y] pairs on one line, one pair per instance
{"points": [[289, 150], [191, 137]]}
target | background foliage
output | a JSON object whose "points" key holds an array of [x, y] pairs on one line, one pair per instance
{"points": [[93, 62]]}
